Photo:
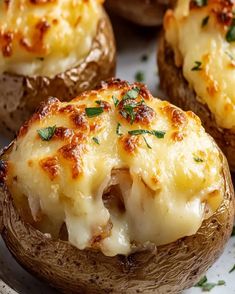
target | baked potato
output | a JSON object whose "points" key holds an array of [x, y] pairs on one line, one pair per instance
{"points": [[50, 48], [141, 12], [115, 192], [196, 66]]}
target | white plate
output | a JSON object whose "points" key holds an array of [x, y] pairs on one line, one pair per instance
{"points": [[132, 43]]}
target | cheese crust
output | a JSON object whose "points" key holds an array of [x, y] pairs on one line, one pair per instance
{"points": [[200, 34], [119, 178], [46, 37]]}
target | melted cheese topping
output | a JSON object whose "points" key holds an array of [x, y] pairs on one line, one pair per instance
{"points": [[124, 191], [195, 41], [48, 37]]}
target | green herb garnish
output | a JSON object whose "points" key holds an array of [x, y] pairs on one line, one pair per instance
{"points": [[96, 140], [232, 269], [206, 286], [146, 142], [139, 77], [94, 111], [118, 129], [129, 110], [131, 94], [98, 102], [47, 133], [201, 282], [230, 36], [198, 159], [197, 66], [158, 134], [205, 21], [115, 101], [221, 283]]}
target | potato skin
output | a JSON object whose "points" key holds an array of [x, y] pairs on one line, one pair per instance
{"points": [[164, 269], [20, 95], [181, 94], [141, 12]]}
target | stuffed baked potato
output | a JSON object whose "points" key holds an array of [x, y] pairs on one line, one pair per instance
{"points": [[115, 192], [141, 12], [50, 48], [196, 66]]}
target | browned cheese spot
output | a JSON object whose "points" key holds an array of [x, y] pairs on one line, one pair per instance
{"points": [[50, 166], [73, 153]]}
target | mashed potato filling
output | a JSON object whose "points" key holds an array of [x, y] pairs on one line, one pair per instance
{"points": [[115, 179], [45, 38]]}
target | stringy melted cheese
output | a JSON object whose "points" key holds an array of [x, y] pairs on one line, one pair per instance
{"points": [[45, 38], [166, 188], [192, 41]]}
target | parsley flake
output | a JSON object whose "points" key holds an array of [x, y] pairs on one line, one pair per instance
{"points": [[198, 159], [131, 94], [232, 269], [139, 77], [129, 109], [115, 101], [205, 21], [206, 286], [146, 142], [93, 111], [230, 36], [46, 133], [118, 129], [158, 134], [197, 66], [96, 140]]}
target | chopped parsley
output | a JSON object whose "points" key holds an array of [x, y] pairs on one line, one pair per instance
{"points": [[206, 286], [93, 111], [129, 110], [115, 101], [158, 134], [96, 140], [98, 102], [233, 232], [230, 36], [198, 159], [200, 3], [131, 94], [146, 142], [197, 66], [205, 21], [139, 76], [232, 269], [118, 129], [46, 133], [144, 58]]}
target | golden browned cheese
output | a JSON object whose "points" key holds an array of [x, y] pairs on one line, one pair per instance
{"points": [[202, 37], [45, 38], [118, 167]]}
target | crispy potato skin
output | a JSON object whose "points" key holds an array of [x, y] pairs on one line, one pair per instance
{"points": [[181, 94], [141, 12], [20, 95], [164, 269]]}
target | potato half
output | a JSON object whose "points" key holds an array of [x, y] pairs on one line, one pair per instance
{"points": [[141, 12], [201, 80], [147, 268], [20, 94]]}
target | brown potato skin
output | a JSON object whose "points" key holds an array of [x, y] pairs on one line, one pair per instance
{"points": [[164, 269], [141, 12], [20, 95], [181, 94]]}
